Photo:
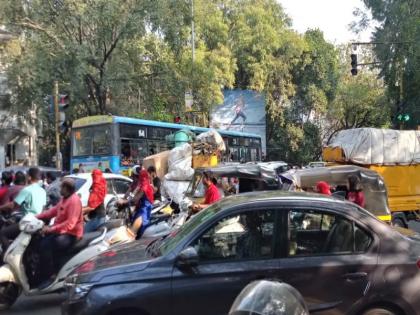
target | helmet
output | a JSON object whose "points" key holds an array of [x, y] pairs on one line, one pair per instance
{"points": [[135, 170], [269, 298]]}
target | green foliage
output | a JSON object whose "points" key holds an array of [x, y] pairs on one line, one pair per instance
{"points": [[134, 58], [400, 62]]}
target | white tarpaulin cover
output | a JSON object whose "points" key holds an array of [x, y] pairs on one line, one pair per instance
{"points": [[379, 146], [175, 190], [179, 163]]}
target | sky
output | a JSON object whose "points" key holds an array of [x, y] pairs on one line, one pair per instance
{"points": [[330, 16]]}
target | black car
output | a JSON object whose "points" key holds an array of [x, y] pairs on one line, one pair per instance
{"points": [[338, 256]]}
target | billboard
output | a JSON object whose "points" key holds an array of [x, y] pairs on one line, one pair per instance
{"points": [[242, 110]]}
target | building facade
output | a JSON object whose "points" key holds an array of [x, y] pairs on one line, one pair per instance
{"points": [[18, 134]]}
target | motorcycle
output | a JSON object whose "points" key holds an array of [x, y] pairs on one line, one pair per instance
{"points": [[163, 221], [7, 220], [19, 273]]}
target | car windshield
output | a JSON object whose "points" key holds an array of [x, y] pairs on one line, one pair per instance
{"points": [[173, 239]]}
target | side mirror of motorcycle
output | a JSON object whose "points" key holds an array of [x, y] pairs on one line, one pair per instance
{"points": [[187, 259]]}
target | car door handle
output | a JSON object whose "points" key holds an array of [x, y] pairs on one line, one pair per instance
{"points": [[355, 276]]}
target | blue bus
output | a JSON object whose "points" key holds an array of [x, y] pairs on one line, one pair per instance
{"points": [[119, 143]]}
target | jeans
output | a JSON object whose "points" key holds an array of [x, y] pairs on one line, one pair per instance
{"points": [[93, 224], [144, 211], [52, 248]]}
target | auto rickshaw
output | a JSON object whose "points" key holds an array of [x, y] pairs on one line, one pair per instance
{"points": [[236, 178], [376, 196]]}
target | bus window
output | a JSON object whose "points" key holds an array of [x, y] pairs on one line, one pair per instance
{"points": [[242, 154], [234, 154], [129, 131], [156, 147], [100, 141], [133, 151], [92, 141], [159, 133], [254, 155]]}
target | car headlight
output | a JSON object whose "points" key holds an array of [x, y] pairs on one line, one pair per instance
{"points": [[76, 291]]}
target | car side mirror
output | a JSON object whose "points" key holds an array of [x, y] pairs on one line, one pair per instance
{"points": [[188, 258]]}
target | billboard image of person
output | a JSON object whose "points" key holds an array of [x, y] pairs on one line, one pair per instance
{"points": [[243, 111], [239, 112]]}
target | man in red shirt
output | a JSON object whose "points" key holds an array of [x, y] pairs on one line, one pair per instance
{"points": [[211, 196], [67, 229]]}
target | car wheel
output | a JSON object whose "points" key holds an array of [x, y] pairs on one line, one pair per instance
{"points": [[398, 222], [380, 311]]}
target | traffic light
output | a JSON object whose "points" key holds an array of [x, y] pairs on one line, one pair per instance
{"points": [[63, 104], [353, 64], [49, 101], [403, 117], [177, 119]]}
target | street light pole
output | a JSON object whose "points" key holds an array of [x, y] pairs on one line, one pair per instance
{"points": [[192, 60], [57, 126], [192, 32]]}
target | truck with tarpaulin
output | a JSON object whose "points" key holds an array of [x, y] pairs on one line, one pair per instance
{"points": [[394, 154]]}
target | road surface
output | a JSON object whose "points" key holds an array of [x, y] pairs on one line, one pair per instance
{"points": [[38, 305]]}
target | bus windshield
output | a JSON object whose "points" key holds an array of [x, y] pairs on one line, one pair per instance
{"points": [[93, 140]]}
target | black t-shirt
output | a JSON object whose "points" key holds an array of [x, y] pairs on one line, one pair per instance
{"points": [[157, 183]]}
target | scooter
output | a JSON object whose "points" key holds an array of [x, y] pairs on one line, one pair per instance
{"points": [[18, 274]]}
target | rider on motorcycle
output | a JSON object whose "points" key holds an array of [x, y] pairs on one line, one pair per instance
{"points": [[143, 201], [30, 199], [135, 172], [95, 209], [67, 229], [6, 180], [18, 184]]}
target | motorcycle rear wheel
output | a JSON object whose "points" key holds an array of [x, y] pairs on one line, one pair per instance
{"points": [[9, 292]]}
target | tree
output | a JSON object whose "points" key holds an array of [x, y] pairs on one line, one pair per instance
{"points": [[73, 42], [399, 30], [297, 132]]}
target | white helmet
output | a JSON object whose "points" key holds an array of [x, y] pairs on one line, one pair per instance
{"points": [[135, 170]]}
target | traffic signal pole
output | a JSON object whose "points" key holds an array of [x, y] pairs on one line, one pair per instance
{"points": [[57, 126]]}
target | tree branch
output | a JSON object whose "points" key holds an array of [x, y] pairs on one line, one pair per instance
{"points": [[27, 23]]}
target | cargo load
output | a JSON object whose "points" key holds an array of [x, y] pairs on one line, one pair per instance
{"points": [[159, 161], [394, 154], [370, 146]]}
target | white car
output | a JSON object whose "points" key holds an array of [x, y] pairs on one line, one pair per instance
{"points": [[116, 185]]}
